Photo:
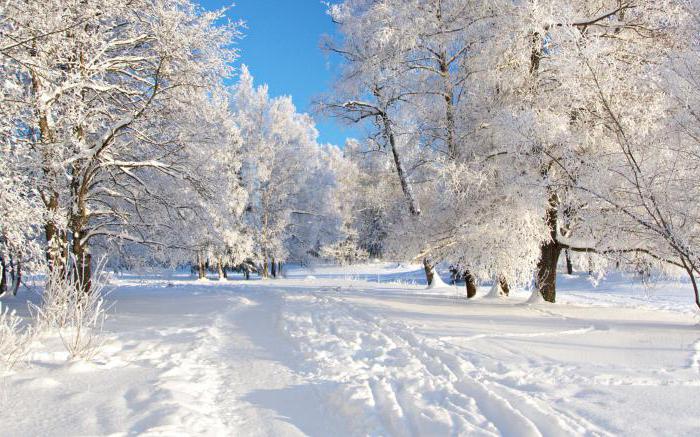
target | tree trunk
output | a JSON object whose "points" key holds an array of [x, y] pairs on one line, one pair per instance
{"points": [[3, 276], [202, 273], [569, 265], [55, 238], [56, 247], [17, 278], [690, 269], [83, 265], [429, 271], [265, 271], [549, 254], [273, 268], [470, 283], [279, 269], [504, 286], [695, 288], [447, 90], [220, 267], [406, 187], [535, 54], [547, 270]]}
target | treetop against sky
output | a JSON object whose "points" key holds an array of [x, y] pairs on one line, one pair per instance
{"points": [[281, 45]]}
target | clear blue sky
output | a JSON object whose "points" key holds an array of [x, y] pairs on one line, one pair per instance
{"points": [[281, 48]]}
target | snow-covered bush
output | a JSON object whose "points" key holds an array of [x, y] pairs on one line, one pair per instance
{"points": [[14, 338], [77, 316]]}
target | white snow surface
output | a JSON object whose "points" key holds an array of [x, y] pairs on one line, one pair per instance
{"points": [[367, 350]]}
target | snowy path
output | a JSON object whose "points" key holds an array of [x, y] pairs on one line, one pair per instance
{"points": [[261, 393], [335, 356], [418, 367]]}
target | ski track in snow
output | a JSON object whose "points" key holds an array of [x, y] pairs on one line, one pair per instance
{"points": [[410, 386]]}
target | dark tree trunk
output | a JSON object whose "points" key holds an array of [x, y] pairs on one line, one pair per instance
{"points": [[201, 269], [56, 247], [504, 286], [3, 276], [547, 270], [273, 268], [690, 269], [406, 187], [279, 269], [569, 265], [695, 288], [56, 244], [16, 278], [83, 265], [536, 54], [470, 283], [429, 271], [246, 274], [549, 255]]}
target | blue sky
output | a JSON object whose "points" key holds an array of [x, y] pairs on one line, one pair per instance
{"points": [[281, 48]]}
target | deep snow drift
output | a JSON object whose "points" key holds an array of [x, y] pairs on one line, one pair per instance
{"points": [[367, 350]]}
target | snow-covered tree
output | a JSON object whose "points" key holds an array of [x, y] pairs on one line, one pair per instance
{"points": [[105, 88], [287, 175], [509, 125], [555, 75]]}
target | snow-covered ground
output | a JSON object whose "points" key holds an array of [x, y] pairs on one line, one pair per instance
{"points": [[367, 350]]}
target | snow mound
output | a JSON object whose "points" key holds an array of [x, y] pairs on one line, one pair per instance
{"points": [[536, 297], [438, 283], [496, 292], [440, 288]]}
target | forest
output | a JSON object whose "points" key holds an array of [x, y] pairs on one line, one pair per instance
{"points": [[517, 150]]}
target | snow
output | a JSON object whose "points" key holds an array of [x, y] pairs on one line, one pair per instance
{"points": [[536, 297], [367, 350], [438, 284], [496, 292]]}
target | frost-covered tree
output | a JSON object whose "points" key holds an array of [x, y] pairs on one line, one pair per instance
{"points": [[105, 87], [643, 177], [287, 175], [20, 220], [555, 74], [410, 69], [511, 127], [215, 233]]}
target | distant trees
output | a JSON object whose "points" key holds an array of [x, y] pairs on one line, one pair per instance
{"points": [[289, 178]]}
